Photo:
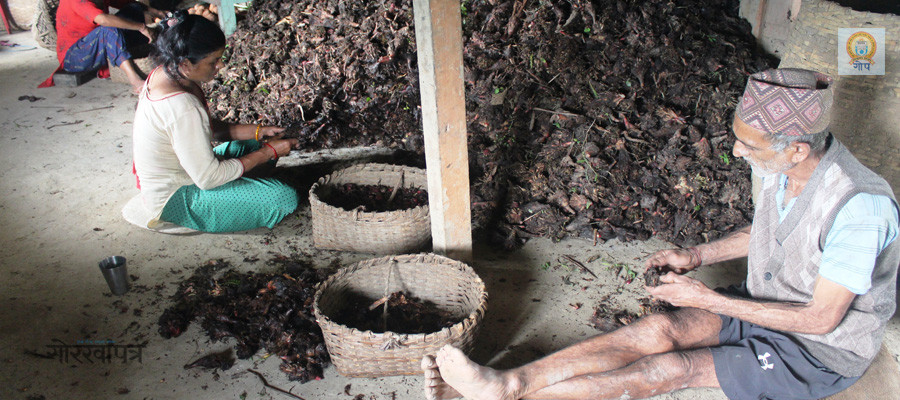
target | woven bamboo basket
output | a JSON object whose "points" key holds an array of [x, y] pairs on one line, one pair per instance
{"points": [[143, 65], [451, 285], [391, 232]]}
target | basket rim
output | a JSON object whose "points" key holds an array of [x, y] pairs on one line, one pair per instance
{"points": [[445, 333], [366, 216]]}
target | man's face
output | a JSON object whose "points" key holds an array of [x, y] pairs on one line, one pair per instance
{"points": [[752, 146]]}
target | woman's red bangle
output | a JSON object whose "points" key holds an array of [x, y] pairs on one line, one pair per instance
{"points": [[273, 149]]}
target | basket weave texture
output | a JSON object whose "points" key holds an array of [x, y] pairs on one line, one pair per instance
{"points": [[43, 28], [453, 286], [391, 232]]}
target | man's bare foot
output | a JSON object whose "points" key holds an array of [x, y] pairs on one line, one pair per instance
{"points": [[435, 387], [472, 380]]}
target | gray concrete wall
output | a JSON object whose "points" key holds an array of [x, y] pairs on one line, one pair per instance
{"points": [[771, 21]]}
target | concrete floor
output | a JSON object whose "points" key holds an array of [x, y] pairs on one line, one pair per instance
{"points": [[65, 173]]}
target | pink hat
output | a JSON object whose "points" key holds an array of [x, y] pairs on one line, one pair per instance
{"points": [[787, 101]]}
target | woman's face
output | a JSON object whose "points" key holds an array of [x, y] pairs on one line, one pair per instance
{"points": [[205, 69]]}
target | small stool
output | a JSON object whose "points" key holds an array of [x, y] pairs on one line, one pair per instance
{"points": [[72, 79]]}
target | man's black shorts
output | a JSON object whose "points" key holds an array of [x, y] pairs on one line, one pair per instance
{"points": [[753, 362]]}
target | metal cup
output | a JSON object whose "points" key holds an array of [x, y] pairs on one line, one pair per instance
{"points": [[116, 274]]}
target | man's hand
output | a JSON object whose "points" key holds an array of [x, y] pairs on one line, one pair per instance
{"points": [[678, 260], [682, 291]]}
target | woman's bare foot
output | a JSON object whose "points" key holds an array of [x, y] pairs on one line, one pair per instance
{"points": [[472, 380], [435, 387], [136, 87], [135, 78]]}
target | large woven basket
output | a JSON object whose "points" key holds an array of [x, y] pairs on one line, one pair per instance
{"points": [[391, 232], [43, 27], [451, 285]]}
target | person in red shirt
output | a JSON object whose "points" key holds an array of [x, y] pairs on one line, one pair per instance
{"points": [[89, 37]]}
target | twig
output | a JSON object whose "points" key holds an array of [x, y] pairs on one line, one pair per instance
{"points": [[580, 265], [266, 384], [65, 123], [533, 215], [377, 303], [93, 109], [553, 79], [631, 139], [394, 190], [556, 112]]}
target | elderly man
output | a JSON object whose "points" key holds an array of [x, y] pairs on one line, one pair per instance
{"points": [[821, 283]]}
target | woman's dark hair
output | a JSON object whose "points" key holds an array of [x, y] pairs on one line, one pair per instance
{"points": [[185, 37]]}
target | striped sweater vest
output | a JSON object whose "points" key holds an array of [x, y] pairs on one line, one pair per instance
{"points": [[784, 259]]}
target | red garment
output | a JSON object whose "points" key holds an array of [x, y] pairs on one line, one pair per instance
{"points": [[74, 20]]}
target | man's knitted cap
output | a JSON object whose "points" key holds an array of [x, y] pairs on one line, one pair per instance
{"points": [[787, 101]]}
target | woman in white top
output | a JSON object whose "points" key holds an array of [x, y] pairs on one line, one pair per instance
{"points": [[182, 178]]}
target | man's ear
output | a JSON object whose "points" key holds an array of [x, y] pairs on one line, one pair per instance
{"points": [[801, 151]]}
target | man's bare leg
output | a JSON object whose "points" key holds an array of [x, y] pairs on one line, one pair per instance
{"points": [[652, 375], [135, 79], [654, 334]]}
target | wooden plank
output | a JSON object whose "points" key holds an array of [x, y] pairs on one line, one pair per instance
{"points": [[439, 41]]}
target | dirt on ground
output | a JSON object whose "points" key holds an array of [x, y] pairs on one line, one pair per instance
{"points": [[259, 310]]}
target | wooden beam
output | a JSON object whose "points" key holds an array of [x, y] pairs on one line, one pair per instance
{"points": [[757, 30], [439, 41]]}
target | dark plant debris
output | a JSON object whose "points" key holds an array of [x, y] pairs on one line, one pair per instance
{"points": [[651, 276], [222, 360], [599, 119], [405, 314], [259, 310], [373, 198]]}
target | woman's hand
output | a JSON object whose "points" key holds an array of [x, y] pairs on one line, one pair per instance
{"points": [[149, 33], [154, 15], [678, 260], [270, 132], [282, 146]]}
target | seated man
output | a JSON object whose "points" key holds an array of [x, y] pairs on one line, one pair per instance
{"points": [[88, 36], [822, 269]]}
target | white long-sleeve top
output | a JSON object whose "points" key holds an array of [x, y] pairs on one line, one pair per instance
{"points": [[173, 147]]}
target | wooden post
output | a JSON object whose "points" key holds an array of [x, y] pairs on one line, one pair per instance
{"points": [[757, 30], [439, 41]]}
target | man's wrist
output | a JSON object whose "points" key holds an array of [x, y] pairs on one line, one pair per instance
{"points": [[696, 258]]}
